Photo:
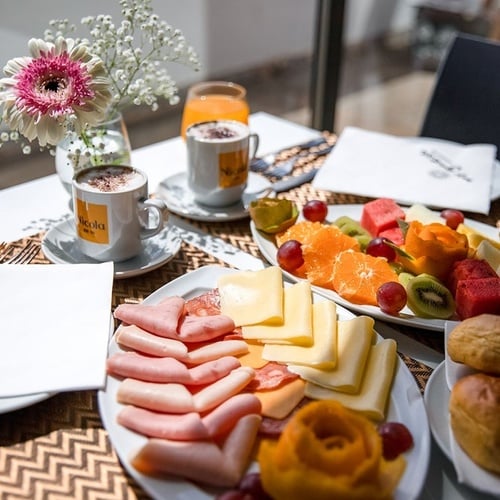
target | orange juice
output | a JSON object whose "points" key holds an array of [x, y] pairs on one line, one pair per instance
{"points": [[208, 101], [214, 107]]}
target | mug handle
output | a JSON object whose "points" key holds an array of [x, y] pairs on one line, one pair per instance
{"points": [[159, 208], [254, 141]]}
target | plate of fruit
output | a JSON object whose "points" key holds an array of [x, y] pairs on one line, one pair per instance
{"points": [[406, 265]]}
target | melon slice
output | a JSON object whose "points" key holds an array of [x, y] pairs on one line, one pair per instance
{"points": [[381, 214]]}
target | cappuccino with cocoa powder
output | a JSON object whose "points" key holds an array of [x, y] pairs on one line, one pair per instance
{"points": [[113, 213], [218, 154], [110, 179]]}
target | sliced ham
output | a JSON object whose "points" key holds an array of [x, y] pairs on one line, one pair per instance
{"points": [[190, 426], [176, 398], [203, 461], [133, 337], [162, 370], [168, 398], [201, 328], [162, 318], [215, 350]]}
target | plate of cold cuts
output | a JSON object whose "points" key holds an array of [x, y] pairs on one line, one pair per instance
{"points": [[405, 402]]}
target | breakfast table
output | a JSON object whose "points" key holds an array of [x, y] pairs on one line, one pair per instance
{"points": [[58, 447]]}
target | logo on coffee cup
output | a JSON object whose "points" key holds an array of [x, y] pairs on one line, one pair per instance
{"points": [[233, 168], [92, 222]]}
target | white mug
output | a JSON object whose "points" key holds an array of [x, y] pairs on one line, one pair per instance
{"points": [[219, 154], [113, 212]]}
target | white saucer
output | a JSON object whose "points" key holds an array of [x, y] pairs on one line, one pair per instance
{"points": [[59, 246], [18, 402], [179, 199]]}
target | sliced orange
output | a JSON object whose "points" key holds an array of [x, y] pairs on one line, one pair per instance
{"points": [[300, 231], [357, 276], [321, 251]]}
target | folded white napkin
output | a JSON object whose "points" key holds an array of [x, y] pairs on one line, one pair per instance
{"points": [[435, 173], [54, 327], [467, 471]]}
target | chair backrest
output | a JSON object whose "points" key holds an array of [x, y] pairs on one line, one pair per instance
{"points": [[465, 103]]}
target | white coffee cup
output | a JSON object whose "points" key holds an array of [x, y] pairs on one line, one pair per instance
{"points": [[219, 154], [113, 212]]}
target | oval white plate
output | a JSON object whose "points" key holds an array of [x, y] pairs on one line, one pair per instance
{"points": [[406, 405], [59, 246], [406, 317], [180, 201]]}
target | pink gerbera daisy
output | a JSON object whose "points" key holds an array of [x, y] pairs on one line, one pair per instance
{"points": [[61, 85]]}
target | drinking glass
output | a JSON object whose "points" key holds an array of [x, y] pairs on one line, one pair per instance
{"points": [[207, 101]]}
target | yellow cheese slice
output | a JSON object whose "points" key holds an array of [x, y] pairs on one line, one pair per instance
{"points": [[297, 319], [372, 398], [250, 297], [323, 352], [354, 339], [278, 403]]}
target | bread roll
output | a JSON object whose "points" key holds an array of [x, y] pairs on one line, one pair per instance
{"points": [[476, 342], [474, 417]]}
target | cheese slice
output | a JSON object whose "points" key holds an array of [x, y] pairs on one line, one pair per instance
{"points": [[278, 403], [250, 297], [323, 352], [297, 319], [354, 339], [372, 398], [253, 358]]}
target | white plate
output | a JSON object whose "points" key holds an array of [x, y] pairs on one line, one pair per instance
{"points": [[406, 405], [10, 404], [180, 201], [406, 317], [436, 398], [59, 246]]}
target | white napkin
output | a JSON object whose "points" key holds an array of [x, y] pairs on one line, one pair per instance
{"points": [[54, 327], [435, 173], [467, 471]]}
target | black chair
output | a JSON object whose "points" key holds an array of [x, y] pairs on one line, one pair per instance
{"points": [[465, 104]]}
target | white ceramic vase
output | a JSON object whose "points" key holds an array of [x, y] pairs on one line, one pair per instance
{"points": [[104, 144]]}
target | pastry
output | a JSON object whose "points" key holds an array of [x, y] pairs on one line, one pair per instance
{"points": [[476, 343], [474, 409]]}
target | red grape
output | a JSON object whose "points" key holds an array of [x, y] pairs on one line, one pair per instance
{"points": [[315, 210], [289, 255], [396, 439], [378, 247], [452, 217], [391, 297]]}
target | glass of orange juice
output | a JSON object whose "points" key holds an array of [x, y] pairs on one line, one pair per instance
{"points": [[207, 101]]}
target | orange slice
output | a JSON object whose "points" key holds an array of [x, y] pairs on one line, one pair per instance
{"points": [[357, 276]]}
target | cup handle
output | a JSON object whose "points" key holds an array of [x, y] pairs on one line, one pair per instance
{"points": [[254, 142], [160, 213]]}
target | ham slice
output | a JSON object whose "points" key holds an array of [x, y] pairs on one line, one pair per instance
{"points": [[162, 318], [190, 426], [162, 370], [215, 350], [166, 319], [176, 398], [133, 337], [203, 461]]}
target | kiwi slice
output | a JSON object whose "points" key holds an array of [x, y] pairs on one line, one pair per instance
{"points": [[353, 228], [404, 277], [429, 298]]}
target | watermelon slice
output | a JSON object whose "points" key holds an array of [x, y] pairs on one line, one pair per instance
{"points": [[395, 234], [477, 296], [468, 269], [380, 214]]}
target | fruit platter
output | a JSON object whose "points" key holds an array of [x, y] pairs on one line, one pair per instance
{"points": [[348, 252]]}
